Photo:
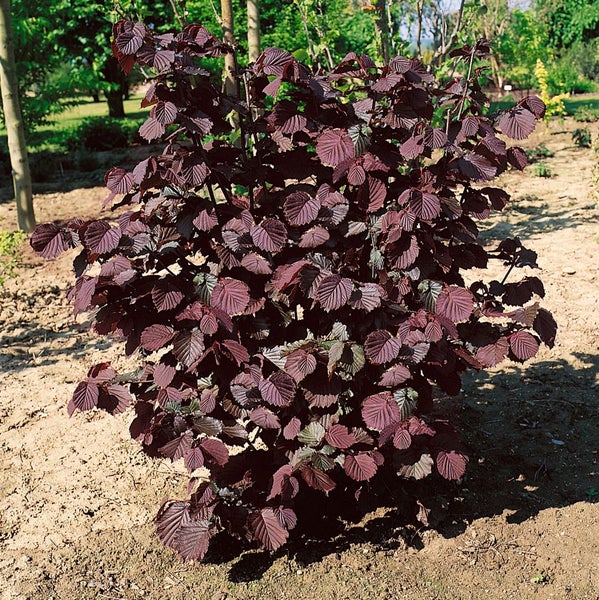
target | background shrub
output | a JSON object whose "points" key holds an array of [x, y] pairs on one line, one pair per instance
{"points": [[582, 137]]}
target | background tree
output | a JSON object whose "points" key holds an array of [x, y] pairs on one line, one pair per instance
{"points": [[35, 59], [253, 8], [14, 122]]}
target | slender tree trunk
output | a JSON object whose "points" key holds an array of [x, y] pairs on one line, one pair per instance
{"points": [[229, 80], [253, 7], [14, 123], [382, 29]]}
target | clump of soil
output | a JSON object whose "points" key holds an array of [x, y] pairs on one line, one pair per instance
{"points": [[77, 498]]}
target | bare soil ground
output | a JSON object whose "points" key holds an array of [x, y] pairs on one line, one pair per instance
{"points": [[77, 498]]}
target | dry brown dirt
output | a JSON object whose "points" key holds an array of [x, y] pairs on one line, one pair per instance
{"points": [[77, 498]]}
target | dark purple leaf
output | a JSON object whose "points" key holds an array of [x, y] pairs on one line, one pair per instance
{"points": [[517, 158], [535, 105], [372, 194], [272, 61], [299, 364], [339, 436], [286, 516], [300, 208], [237, 352], [166, 297], [283, 484], [334, 147], [206, 220], [117, 180], [380, 410], [85, 397], [209, 324], [360, 467], [164, 112], [215, 451], [207, 401], [169, 395], [231, 296], [381, 347], [151, 129], [193, 539], [367, 297], [412, 147], [395, 376], [270, 235], [517, 123], [115, 399], [195, 171], [455, 303], [546, 327], [265, 418], [163, 59], [402, 439], [356, 174], [425, 206], [267, 529], [101, 237], [333, 292], [194, 459], [178, 447], [451, 465], [316, 236], [477, 167], [156, 336], [188, 346], [171, 517], [492, 354], [317, 479], [523, 344], [49, 241], [278, 389], [517, 294], [291, 430], [257, 264]]}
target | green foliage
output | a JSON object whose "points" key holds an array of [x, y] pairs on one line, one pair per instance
{"points": [[569, 21], [582, 137], [538, 153], [11, 246], [586, 114], [563, 78], [542, 169], [88, 161]]}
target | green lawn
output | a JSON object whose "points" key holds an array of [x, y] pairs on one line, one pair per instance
{"points": [[51, 136], [71, 117], [572, 104]]}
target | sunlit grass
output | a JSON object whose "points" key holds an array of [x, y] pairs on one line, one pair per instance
{"points": [[571, 104], [49, 136]]}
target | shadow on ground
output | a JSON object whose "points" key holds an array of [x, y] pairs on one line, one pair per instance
{"points": [[528, 216], [532, 436]]}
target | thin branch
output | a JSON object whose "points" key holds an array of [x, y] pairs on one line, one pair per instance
{"points": [[181, 18]]}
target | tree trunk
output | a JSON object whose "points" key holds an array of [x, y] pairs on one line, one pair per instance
{"points": [[113, 74], [229, 78], [253, 7], [14, 123], [116, 108], [382, 29]]}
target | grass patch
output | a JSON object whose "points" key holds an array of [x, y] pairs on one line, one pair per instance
{"points": [[50, 137], [571, 104]]}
